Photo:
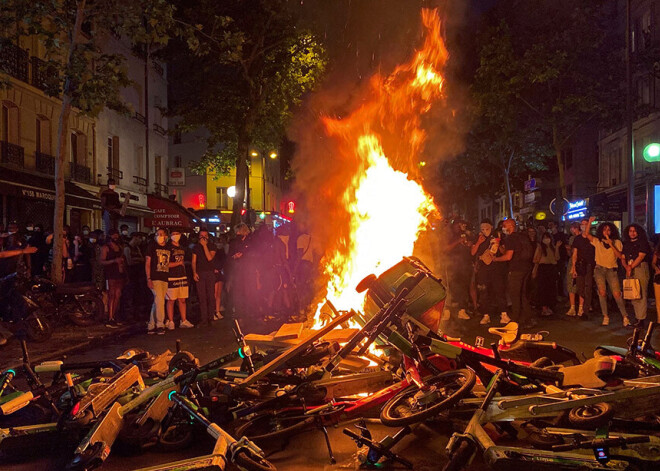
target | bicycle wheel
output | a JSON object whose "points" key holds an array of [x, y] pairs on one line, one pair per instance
{"points": [[460, 458], [275, 425], [413, 405], [250, 462]]}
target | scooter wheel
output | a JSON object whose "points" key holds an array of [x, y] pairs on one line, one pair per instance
{"points": [[176, 437], [183, 361], [250, 462], [413, 405], [134, 437], [592, 416], [37, 328]]}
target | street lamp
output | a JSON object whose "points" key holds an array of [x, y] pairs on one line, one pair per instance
{"points": [[652, 152]]}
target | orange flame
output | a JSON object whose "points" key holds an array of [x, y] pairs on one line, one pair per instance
{"points": [[387, 208]]}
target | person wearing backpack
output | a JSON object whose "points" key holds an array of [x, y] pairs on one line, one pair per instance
{"points": [[519, 252]]}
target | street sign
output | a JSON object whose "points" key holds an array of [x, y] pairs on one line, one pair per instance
{"points": [[176, 176], [531, 184]]}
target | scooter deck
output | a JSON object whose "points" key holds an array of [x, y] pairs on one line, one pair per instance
{"points": [[295, 350], [215, 461]]}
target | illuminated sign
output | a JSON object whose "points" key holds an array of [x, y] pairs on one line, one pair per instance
{"points": [[291, 207], [576, 210]]}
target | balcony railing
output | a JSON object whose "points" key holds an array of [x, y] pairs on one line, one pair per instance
{"points": [[45, 163], [160, 189], [115, 173], [80, 173], [159, 129], [12, 154], [140, 117], [44, 77], [14, 61], [139, 181]]}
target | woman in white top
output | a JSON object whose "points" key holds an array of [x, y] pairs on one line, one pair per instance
{"points": [[608, 251]]}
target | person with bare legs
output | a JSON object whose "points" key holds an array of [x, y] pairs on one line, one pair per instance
{"points": [[114, 268], [177, 283]]}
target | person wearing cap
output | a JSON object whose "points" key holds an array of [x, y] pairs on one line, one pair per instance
{"points": [[177, 282]]}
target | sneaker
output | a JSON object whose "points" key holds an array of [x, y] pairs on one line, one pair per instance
{"points": [[606, 321], [169, 325], [463, 315], [446, 314], [485, 320], [580, 311], [546, 312], [186, 325], [160, 331], [571, 312], [151, 330], [626, 321], [111, 324], [218, 316], [504, 318]]}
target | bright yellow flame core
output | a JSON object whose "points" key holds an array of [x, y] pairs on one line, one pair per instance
{"points": [[387, 213]]}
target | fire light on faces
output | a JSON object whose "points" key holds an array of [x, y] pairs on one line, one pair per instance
{"points": [[387, 208]]}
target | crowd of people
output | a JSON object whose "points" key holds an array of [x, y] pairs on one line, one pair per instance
{"points": [[156, 277], [520, 273]]}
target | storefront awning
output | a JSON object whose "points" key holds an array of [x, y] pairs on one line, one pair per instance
{"points": [[31, 186], [169, 214]]}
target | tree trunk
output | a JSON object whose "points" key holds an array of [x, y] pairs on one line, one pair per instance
{"points": [[507, 168], [62, 134], [241, 177], [560, 161]]}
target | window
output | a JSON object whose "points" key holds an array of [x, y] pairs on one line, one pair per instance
{"points": [[158, 169], [644, 90], [177, 161], [139, 151], [223, 198], [78, 149], [43, 135], [113, 153], [9, 122]]}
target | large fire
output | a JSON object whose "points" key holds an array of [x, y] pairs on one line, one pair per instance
{"points": [[387, 207]]}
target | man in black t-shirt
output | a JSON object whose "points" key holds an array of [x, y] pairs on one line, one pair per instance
{"points": [[583, 261], [177, 282], [157, 268], [203, 268], [519, 252], [484, 251]]}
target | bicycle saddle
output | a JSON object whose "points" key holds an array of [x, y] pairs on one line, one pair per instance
{"points": [[508, 333], [593, 373]]}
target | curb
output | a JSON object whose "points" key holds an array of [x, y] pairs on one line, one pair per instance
{"points": [[97, 340]]}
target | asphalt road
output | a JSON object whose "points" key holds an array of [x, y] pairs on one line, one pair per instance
{"points": [[424, 447]]}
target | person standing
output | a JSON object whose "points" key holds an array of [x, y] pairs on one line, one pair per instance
{"points": [[570, 280], [135, 261], [583, 263], [636, 253], [656, 279], [203, 268], [114, 269], [519, 252], [545, 273], [484, 250], [156, 266], [177, 283], [110, 206], [219, 272], [608, 251]]}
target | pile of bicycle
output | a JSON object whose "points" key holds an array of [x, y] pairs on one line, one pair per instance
{"points": [[522, 403]]}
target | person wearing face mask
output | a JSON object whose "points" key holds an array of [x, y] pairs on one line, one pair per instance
{"points": [[125, 235], [157, 268], [177, 282], [484, 250], [583, 262], [110, 206], [545, 273], [608, 250], [85, 232], [635, 259]]}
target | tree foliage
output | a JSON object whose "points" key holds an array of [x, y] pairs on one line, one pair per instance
{"points": [[81, 72], [252, 67], [546, 69]]}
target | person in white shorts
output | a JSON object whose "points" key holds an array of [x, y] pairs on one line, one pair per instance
{"points": [[177, 283]]}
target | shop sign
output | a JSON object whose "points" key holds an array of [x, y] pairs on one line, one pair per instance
{"points": [[176, 176], [37, 194], [576, 210], [136, 199]]}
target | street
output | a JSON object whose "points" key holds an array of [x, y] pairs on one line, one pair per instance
{"points": [[424, 447]]}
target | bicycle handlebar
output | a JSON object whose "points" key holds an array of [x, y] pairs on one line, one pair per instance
{"points": [[602, 443]]}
